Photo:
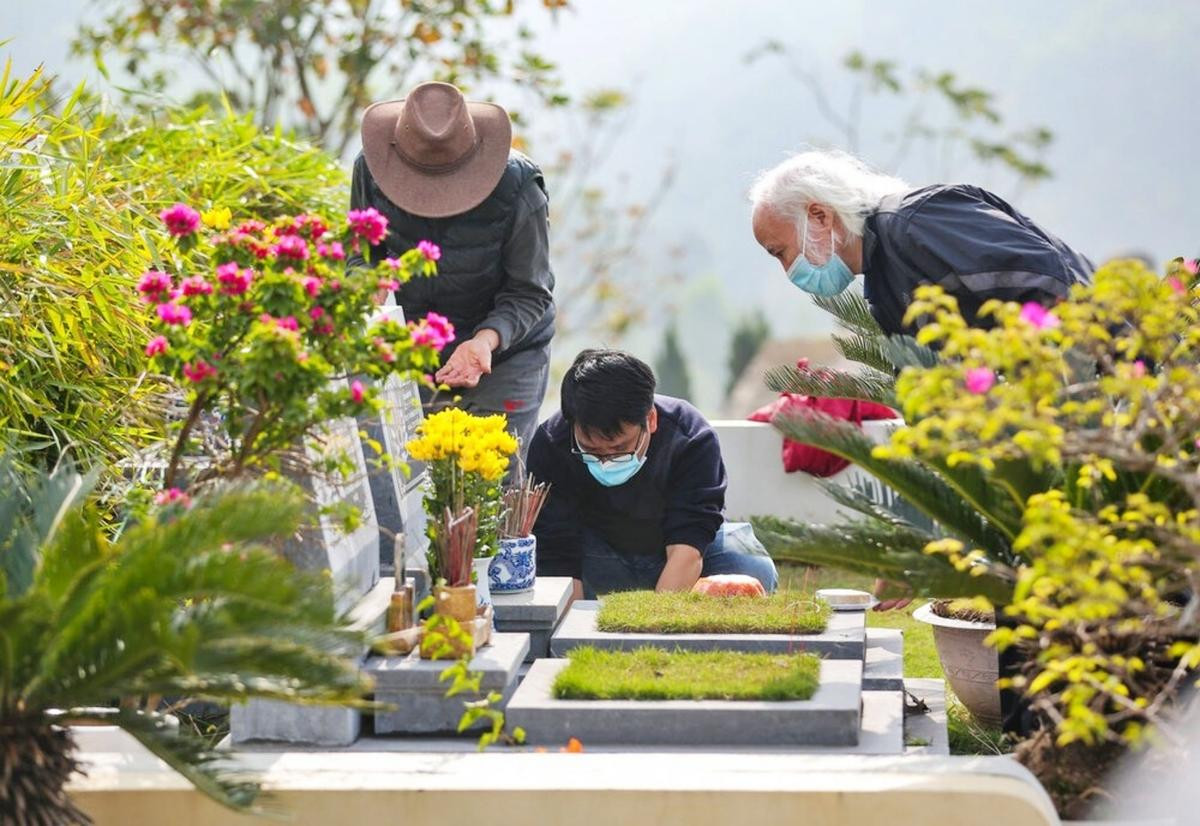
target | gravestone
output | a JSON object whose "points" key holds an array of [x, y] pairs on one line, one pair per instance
{"points": [[352, 560], [398, 490], [536, 612]]}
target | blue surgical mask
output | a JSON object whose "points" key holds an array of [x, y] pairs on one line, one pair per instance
{"points": [[828, 279], [611, 474], [616, 470]]}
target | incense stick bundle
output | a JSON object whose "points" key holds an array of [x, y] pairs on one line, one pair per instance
{"points": [[522, 505], [456, 545]]}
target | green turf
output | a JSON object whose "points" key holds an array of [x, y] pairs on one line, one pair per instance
{"points": [[783, 612], [655, 674]]}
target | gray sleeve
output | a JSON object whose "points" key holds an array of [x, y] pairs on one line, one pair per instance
{"points": [[528, 288]]}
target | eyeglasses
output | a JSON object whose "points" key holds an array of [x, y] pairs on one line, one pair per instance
{"points": [[611, 458]]}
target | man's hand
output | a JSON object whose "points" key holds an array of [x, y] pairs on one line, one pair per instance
{"points": [[471, 361], [682, 569], [894, 603]]}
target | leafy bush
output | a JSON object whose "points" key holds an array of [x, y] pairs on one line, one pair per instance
{"points": [[80, 189]]}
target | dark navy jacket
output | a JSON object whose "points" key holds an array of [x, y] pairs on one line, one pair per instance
{"points": [[677, 498], [495, 265], [968, 241]]}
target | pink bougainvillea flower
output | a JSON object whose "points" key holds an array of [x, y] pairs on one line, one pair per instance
{"points": [[1192, 265], [288, 322], [335, 285], [1139, 369], [430, 250], [234, 280], [154, 283], [367, 224], [1038, 316], [324, 329], [393, 263], [316, 312], [357, 391], [312, 285], [980, 380], [434, 331], [198, 371], [1176, 285], [251, 227], [292, 246], [157, 345], [180, 219], [389, 284], [266, 318], [196, 285], [333, 251], [172, 496], [179, 314]]}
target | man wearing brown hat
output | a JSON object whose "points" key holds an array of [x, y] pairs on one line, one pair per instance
{"points": [[441, 169]]}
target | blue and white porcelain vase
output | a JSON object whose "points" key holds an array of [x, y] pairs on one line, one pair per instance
{"points": [[514, 568]]}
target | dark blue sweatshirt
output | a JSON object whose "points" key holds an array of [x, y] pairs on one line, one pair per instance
{"points": [[677, 498]]}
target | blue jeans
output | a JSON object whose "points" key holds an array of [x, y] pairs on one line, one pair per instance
{"points": [[606, 569]]}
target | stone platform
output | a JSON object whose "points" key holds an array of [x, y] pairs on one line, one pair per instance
{"points": [[421, 706], [831, 717], [536, 612], [843, 639]]}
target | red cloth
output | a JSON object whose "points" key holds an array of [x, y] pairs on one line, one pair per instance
{"points": [[812, 460]]}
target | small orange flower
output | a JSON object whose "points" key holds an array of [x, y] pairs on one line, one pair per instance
{"points": [[574, 746]]}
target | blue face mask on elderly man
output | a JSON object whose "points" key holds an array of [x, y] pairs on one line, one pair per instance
{"points": [[827, 279]]}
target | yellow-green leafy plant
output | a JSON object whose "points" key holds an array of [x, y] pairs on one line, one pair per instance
{"points": [[1105, 388]]}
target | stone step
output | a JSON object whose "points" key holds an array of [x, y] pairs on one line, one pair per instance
{"points": [[536, 612], [884, 666], [927, 733], [843, 639], [421, 706], [832, 716]]}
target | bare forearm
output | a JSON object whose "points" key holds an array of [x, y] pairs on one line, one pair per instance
{"points": [[682, 569]]}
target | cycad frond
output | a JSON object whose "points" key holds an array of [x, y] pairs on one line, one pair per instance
{"points": [[866, 385], [851, 311], [926, 490], [904, 351], [866, 350], [877, 549]]}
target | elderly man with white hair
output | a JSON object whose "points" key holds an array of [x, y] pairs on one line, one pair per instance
{"points": [[826, 216]]}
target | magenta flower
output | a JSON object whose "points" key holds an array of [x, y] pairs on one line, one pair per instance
{"points": [[197, 285], [292, 246], [180, 219], [368, 224], [434, 331], [389, 284], [288, 322], [332, 251], [357, 391], [1176, 285], [316, 312], [1139, 369], [179, 314], [157, 346], [1038, 316], [172, 496], [312, 285], [430, 250], [153, 284], [1192, 265], [198, 371], [980, 380], [234, 280]]}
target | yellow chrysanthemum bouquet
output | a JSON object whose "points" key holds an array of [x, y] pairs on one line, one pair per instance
{"points": [[467, 457]]}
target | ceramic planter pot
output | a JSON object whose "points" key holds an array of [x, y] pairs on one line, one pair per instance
{"points": [[514, 568], [972, 668], [483, 593]]}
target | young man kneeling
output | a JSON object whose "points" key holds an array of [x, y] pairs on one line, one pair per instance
{"points": [[638, 487]]}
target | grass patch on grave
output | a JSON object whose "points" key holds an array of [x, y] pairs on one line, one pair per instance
{"points": [[633, 612], [656, 674]]}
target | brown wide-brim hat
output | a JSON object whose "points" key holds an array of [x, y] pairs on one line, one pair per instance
{"points": [[435, 154]]}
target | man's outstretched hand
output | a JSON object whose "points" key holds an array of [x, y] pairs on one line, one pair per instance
{"points": [[890, 589], [471, 361]]}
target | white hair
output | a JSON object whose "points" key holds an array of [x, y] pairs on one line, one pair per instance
{"points": [[839, 180]]}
